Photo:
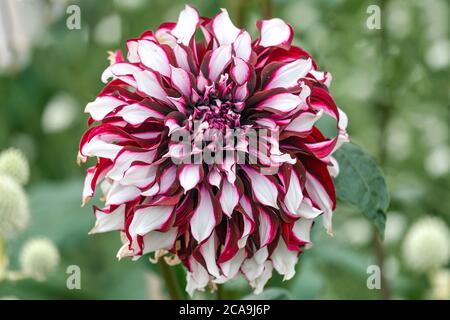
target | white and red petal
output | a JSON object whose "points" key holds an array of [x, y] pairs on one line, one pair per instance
{"points": [[243, 46], [154, 57], [189, 176], [288, 75], [294, 195], [181, 81], [304, 122], [124, 160], [320, 196], [101, 106], [203, 220], [148, 83], [302, 229], [275, 32], [284, 260], [281, 103], [197, 276], [147, 219], [263, 188], [208, 251], [109, 219], [267, 228], [229, 197], [223, 28], [137, 113], [220, 59], [157, 240], [240, 71], [187, 24]]}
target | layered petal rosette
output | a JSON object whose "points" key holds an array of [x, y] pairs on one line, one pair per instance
{"points": [[208, 151]]}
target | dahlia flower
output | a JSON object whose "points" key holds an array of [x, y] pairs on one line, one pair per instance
{"points": [[207, 148]]}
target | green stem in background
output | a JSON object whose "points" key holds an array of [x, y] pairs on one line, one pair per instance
{"points": [[220, 294], [239, 12], [170, 279], [385, 112], [267, 9]]}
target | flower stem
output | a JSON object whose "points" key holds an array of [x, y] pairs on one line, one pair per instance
{"points": [[173, 287], [385, 113], [267, 9], [220, 292]]}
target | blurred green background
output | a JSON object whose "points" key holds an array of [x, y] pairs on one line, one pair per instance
{"points": [[392, 82]]}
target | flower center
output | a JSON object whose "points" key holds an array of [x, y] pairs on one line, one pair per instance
{"points": [[220, 115]]}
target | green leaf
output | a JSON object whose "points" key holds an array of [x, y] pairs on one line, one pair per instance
{"points": [[270, 294], [361, 182]]}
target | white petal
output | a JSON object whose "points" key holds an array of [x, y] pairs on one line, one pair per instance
{"points": [[101, 106], [251, 269], [240, 71], [319, 195], [148, 83], [231, 267], [224, 30], [208, 251], [156, 240], [259, 283], [275, 32], [121, 70], [284, 260], [119, 194], [304, 122], [243, 46], [214, 178], [115, 220], [137, 113], [154, 189], [306, 210], [189, 176], [99, 148], [168, 177], [229, 197], [197, 278], [153, 57], [140, 175], [266, 228], [333, 167], [302, 229], [284, 102], [181, 57], [203, 220], [125, 159], [181, 81], [186, 25], [220, 58], [294, 194], [264, 189], [149, 219], [88, 192], [288, 75]]}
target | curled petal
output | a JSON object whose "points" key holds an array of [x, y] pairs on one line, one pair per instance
{"points": [[275, 32], [224, 30], [288, 75], [186, 25]]}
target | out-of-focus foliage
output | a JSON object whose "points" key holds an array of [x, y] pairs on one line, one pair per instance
{"points": [[392, 83]]}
